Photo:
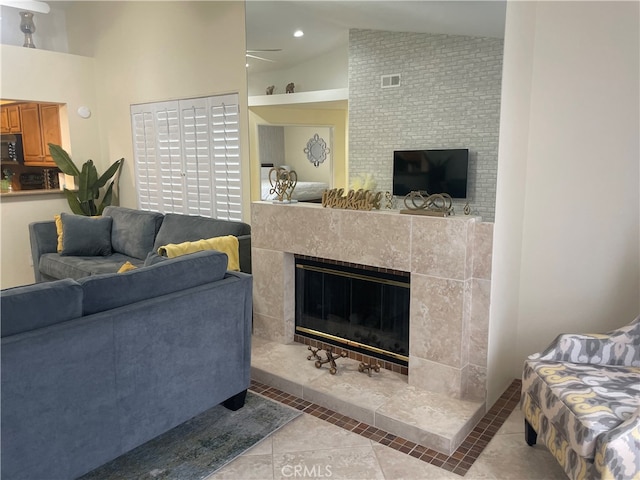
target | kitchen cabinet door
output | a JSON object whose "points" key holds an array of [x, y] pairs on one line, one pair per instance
{"points": [[50, 125], [40, 126], [15, 124], [4, 120], [11, 119], [31, 134]]}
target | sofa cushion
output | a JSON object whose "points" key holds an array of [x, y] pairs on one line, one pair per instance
{"points": [[582, 400], [133, 231], [85, 235], [54, 265], [178, 228], [154, 258], [35, 306], [105, 292]]}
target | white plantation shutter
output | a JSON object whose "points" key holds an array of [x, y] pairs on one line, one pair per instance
{"points": [[146, 172], [226, 159], [169, 158], [187, 156], [197, 158]]}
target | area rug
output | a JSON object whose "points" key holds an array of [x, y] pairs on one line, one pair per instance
{"points": [[200, 446]]}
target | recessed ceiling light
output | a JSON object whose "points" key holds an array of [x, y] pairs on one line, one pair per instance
{"points": [[298, 33]]}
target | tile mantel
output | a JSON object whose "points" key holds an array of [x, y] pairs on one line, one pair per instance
{"points": [[449, 260]]}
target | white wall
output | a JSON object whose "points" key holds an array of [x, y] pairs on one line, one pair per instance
{"points": [[42, 75], [567, 224], [325, 72]]}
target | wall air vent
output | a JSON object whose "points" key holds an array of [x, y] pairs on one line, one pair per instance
{"points": [[390, 81]]}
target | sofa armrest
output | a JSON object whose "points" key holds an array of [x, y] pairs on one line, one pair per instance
{"points": [[618, 347], [244, 247], [618, 450], [44, 239]]}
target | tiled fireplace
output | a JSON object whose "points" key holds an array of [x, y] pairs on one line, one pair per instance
{"points": [[449, 261]]}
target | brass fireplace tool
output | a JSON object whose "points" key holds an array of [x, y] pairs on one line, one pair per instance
{"points": [[369, 367], [331, 358]]}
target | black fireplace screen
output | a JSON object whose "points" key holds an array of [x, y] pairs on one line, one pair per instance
{"points": [[366, 310]]}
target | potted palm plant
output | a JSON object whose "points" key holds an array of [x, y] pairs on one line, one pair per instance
{"points": [[83, 200]]}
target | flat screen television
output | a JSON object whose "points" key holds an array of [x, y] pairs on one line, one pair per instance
{"points": [[433, 171]]}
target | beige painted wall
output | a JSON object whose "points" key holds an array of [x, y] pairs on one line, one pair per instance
{"points": [[132, 52], [153, 51], [42, 75], [295, 141], [300, 116], [567, 224]]}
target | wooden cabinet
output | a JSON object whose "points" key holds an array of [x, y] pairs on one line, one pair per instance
{"points": [[40, 126], [11, 123]]}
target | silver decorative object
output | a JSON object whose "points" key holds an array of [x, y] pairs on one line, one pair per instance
{"points": [[28, 28], [283, 182], [316, 150]]}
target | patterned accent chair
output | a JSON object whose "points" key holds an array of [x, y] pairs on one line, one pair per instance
{"points": [[581, 399]]}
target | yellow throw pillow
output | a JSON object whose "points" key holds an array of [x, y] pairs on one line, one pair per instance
{"points": [[126, 266], [227, 244], [58, 220]]}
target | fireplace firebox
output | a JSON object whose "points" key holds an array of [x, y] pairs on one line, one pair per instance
{"points": [[360, 308]]}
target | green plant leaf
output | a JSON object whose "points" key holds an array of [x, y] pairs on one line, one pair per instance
{"points": [[74, 203], [111, 171], [87, 189], [63, 160]]}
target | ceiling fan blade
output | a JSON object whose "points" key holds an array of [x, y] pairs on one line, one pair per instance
{"points": [[265, 50], [260, 58]]}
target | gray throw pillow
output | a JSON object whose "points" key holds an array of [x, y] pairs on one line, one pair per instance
{"points": [[85, 236]]}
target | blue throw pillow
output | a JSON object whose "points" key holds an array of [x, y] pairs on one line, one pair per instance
{"points": [[85, 236]]}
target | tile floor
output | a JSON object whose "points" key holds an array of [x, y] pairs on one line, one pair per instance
{"points": [[359, 427], [315, 445]]}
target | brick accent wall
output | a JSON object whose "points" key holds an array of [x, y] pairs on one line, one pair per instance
{"points": [[449, 97]]}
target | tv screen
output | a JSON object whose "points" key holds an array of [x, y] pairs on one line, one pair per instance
{"points": [[433, 171]]}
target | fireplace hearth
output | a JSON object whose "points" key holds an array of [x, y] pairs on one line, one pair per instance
{"points": [[449, 264], [357, 307]]}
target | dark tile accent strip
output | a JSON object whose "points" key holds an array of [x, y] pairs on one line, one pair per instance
{"points": [[459, 462]]}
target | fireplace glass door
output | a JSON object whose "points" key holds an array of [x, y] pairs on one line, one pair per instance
{"points": [[362, 309]]}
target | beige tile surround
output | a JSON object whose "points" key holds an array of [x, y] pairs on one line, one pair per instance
{"points": [[450, 264]]}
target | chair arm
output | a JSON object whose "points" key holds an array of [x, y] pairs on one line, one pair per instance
{"points": [[618, 347], [618, 450], [244, 247], [44, 239]]}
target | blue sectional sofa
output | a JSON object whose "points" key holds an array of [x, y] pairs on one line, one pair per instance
{"points": [[134, 235], [95, 367]]}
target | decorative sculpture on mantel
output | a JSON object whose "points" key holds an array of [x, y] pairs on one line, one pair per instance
{"points": [[419, 202], [283, 182]]}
